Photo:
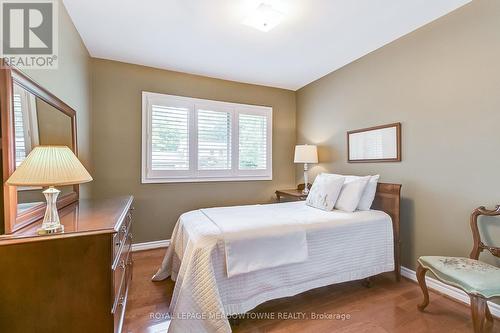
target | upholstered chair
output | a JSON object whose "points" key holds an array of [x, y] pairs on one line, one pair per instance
{"points": [[479, 280]]}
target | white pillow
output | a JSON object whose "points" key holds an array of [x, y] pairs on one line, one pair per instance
{"points": [[325, 191], [368, 195], [351, 193], [366, 201]]}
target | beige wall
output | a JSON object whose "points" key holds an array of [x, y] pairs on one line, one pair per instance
{"points": [[71, 83], [117, 143], [443, 83]]}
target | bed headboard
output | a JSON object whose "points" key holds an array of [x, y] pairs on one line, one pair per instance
{"points": [[388, 199]]}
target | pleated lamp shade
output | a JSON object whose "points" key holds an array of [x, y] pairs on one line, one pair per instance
{"points": [[50, 166]]}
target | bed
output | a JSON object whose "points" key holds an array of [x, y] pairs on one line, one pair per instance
{"points": [[340, 247]]}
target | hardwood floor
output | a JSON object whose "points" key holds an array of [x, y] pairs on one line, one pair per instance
{"points": [[385, 307]]}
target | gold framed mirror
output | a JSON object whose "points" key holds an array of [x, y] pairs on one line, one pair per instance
{"points": [[30, 116]]}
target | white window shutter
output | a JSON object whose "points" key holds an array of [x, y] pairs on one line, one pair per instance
{"points": [[19, 130], [252, 142], [189, 140], [169, 138], [214, 140]]}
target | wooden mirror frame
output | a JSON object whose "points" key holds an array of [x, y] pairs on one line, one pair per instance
{"points": [[8, 76]]}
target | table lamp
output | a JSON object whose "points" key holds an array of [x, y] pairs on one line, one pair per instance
{"points": [[306, 154], [49, 166]]}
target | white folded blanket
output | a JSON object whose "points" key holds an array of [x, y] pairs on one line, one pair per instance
{"points": [[259, 236]]}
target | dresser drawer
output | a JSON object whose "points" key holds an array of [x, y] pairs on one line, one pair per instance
{"points": [[123, 231], [119, 311], [121, 269]]}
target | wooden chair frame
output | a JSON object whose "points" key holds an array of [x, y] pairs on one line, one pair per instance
{"points": [[479, 304]]}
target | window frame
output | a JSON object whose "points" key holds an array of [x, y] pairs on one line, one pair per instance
{"points": [[149, 176]]}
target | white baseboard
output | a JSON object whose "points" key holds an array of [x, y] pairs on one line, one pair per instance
{"points": [[447, 290], [150, 245]]}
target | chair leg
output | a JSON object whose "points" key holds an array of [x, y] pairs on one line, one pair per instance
{"points": [[478, 310], [489, 317], [421, 281]]}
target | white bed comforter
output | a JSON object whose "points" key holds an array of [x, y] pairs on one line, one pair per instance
{"points": [[341, 247]]}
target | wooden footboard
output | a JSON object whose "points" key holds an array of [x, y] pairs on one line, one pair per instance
{"points": [[388, 199]]}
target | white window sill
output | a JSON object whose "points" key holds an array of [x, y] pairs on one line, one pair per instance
{"points": [[203, 179]]}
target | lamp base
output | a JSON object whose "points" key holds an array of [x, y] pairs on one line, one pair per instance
{"points": [[305, 191], [48, 231], [51, 223]]}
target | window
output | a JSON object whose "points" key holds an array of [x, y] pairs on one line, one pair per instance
{"points": [[188, 139]]}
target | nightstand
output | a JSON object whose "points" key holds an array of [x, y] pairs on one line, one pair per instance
{"points": [[294, 194]]}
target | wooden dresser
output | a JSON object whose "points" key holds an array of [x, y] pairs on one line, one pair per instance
{"points": [[72, 282]]}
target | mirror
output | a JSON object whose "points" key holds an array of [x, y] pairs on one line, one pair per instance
{"points": [[30, 116], [36, 123], [375, 144]]}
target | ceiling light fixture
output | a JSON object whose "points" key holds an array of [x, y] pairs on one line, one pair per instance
{"points": [[264, 18]]}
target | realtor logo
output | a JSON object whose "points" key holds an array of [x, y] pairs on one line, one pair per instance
{"points": [[29, 33]]}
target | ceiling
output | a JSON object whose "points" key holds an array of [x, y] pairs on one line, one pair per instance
{"points": [[206, 37]]}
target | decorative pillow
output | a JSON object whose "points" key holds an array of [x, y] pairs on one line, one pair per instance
{"points": [[325, 191], [366, 201], [351, 193]]}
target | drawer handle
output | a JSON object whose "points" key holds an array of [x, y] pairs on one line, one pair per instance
{"points": [[122, 264], [121, 301]]}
